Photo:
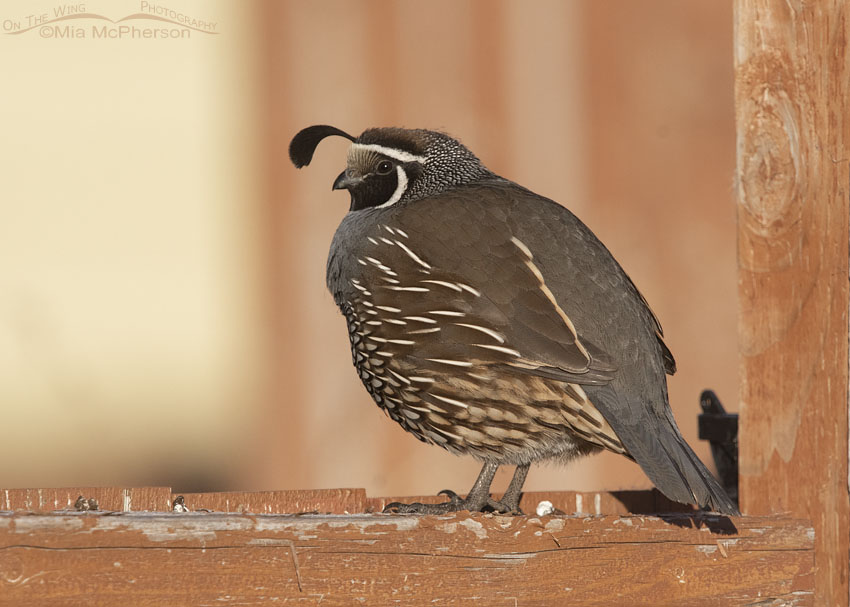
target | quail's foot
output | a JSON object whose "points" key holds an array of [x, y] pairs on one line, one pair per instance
{"points": [[456, 504]]}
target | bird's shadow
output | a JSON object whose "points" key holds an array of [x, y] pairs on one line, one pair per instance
{"points": [[681, 515], [719, 524]]}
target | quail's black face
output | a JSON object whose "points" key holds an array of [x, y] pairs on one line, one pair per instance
{"points": [[390, 165], [378, 176]]}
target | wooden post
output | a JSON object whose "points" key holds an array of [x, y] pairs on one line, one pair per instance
{"points": [[792, 74]]}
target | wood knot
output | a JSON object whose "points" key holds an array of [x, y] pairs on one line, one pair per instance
{"points": [[772, 172], [769, 156]]}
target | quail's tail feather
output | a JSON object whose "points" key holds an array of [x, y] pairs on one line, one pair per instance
{"points": [[669, 462], [699, 483]]}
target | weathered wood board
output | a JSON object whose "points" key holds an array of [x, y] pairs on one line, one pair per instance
{"points": [[372, 559]]}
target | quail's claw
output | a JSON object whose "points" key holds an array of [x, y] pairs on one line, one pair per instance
{"points": [[501, 507], [453, 497]]}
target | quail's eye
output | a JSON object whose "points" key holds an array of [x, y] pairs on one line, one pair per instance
{"points": [[385, 167]]}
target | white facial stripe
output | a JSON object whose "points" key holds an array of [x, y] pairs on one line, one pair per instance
{"points": [[399, 155], [399, 191]]}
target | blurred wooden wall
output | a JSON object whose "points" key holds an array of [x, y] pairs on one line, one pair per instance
{"points": [[622, 111]]}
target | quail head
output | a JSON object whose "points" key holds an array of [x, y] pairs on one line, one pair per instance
{"points": [[491, 321]]}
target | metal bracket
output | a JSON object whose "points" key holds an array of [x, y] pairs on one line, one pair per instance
{"points": [[720, 429]]}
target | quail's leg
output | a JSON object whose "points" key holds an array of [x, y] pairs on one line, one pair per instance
{"points": [[477, 499], [510, 500]]}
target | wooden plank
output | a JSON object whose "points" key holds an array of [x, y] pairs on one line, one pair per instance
{"points": [[791, 95], [161, 499], [116, 499], [317, 501], [461, 559]]}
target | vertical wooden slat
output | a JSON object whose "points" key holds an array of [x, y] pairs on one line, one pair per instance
{"points": [[792, 73], [383, 89], [275, 443], [659, 151], [489, 86]]}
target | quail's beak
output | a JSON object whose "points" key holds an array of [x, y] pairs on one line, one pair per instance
{"points": [[345, 181]]}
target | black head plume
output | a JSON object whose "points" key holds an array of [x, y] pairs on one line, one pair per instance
{"points": [[304, 144]]}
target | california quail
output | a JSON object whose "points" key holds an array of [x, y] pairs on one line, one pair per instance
{"points": [[491, 321]]}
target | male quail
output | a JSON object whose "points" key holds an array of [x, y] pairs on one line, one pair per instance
{"points": [[491, 321]]}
